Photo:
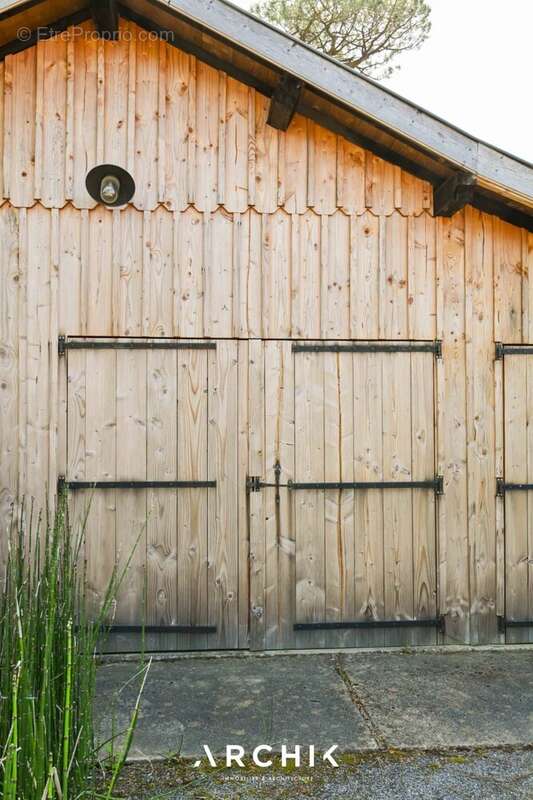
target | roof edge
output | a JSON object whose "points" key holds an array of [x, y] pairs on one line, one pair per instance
{"points": [[494, 168]]}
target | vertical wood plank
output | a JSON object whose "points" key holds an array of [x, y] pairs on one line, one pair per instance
{"points": [[192, 523], [54, 122], [347, 532], [236, 147], [508, 272], [397, 505], [251, 276], [364, 276], [116, 99], [219, 278], [54, 455], [279, 532], [85, 112], [69, 122], [335, 545], [276, 275], [293, 188], [369, 505], [266, 158], [323, 179], [380, 185], [9, 375], [480, 424], [98, 278], [39, 123], [100, 462], [37, 323], [350, 177], [306, 276], [309, 504], [256, 434], [8, 124], [132, 87], [516, 503], [131, 514], [162, 131], [423, 501], [393, 278], [76, 465], [421, 310], [128, 273], [22, 349], [161, 455], [206, 126], [335, 276], [3, 121], [527, 634], [19, 162], [146, 123], [158, 299], [189, 296], [451, 429], [528, 285], [243, 515], [223, 504], [179, 79]]}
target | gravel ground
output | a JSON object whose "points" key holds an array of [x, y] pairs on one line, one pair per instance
{"points": [[465, 775]]}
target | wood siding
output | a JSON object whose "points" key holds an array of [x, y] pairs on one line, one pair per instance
{"points": [[241, 232]]}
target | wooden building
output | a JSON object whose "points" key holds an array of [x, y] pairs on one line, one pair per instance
{"points": [[307, 340]]}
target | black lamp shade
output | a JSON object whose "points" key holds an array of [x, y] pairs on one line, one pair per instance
{"points": [[94, 178]]}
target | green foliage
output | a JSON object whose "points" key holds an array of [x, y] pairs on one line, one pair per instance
{"points": [[364, 34], [47, 663]]}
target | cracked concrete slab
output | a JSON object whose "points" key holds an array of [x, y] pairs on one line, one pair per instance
{"points": [[470, 699], [359, 701], [247, 701]]}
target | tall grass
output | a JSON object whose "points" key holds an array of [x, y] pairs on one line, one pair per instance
{"points": [[47, 661]]}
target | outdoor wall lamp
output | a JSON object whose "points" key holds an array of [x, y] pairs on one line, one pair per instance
{"points": [[110, 185]]}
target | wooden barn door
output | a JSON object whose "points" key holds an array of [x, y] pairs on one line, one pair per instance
{"points": [[152, 448], [348, 494], [516, 486]]}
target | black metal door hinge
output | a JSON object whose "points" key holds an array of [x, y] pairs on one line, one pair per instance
{"points": [[369, 624], [434, 347], [504, 623], [61, 346], [255, 484]]}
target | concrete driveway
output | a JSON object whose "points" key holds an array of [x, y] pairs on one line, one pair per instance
{"points": [[361, 702]]}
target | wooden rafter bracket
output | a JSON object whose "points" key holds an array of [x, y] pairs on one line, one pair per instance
{"points": [[105, 16], [284, 102], [454, 194]]}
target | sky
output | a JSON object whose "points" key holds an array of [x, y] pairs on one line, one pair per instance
{"points": [[475, 70]]}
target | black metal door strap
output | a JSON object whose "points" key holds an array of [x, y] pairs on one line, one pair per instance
{"points": [[433, 622], [159, 628], [504, 623], [64, 344], [63, 484], [502, 350], [502, 487], [372, 347], [255, 484]]}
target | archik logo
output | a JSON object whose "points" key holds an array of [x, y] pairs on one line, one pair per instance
{"points": [[299, 756]]}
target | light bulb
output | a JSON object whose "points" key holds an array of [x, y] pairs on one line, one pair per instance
{"points": [[109, 189]]}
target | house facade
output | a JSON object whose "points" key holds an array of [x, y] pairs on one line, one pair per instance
{"points": [[294, 374]]}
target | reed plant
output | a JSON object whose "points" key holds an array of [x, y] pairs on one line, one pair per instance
{"points": [[48, 644]]}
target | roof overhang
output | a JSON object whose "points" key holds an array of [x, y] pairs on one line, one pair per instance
{"points": [[330, 93]]}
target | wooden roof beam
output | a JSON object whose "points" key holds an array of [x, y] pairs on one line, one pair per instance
{"points": [[453, 194], [284, 102], [105, 16]]}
